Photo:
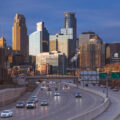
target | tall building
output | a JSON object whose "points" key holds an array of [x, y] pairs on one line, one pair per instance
{"points": [[62, 43], [92, 51], [39, 40], [19, 35], [85, 37], [3, 42], [66, 40], [69, 25]]}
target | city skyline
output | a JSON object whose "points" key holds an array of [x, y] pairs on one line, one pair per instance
{"points": [[96, 16]]}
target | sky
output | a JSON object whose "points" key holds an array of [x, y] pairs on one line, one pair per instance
{"points": [[99, 16]]}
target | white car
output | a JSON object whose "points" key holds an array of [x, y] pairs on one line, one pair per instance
{"points": [[56, 94], [30, 104], [6, 114]]}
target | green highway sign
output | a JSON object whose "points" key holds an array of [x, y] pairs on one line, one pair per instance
{"points": [[115, 75], [102, 75]]}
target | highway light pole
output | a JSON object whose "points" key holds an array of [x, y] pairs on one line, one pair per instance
{"points": [[107, 85], [63, 69]]}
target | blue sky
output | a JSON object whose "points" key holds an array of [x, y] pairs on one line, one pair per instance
{"points": [[100, 16]]}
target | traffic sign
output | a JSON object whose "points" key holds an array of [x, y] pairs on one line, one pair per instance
{"points": [[115, 75], [102, 75]]}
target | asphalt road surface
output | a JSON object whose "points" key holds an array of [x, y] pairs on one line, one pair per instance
{"points": [[60, 107]]}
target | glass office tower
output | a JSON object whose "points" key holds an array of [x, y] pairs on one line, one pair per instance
{"points": [[69, 25], [39, 40]]}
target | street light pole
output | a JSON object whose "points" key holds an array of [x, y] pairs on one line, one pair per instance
{"points": [[107, 85], [63, 65]]}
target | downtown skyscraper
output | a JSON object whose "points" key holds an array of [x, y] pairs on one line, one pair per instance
{"points": [[39, 40], [70, 28], [69, 25], [19, 35]]}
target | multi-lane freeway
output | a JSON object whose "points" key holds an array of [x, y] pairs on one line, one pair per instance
{"points": [[60, 107]]}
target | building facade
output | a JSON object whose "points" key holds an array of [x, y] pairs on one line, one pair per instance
{"points": [[39, 40], [62, 43], [54, 61], [112, 53], [3, 42], [19, 35], [70, 28], [69, 25], [4, 77], [92, 51]]}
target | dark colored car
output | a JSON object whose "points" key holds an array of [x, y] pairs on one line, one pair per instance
{"points": [[20, 104], [44, 103], [78, 95], [49, 89]]}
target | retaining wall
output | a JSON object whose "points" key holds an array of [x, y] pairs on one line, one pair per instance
{"points": [[9, 95]]}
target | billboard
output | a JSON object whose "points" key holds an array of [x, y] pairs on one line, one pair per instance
{"points": [[90, 76]]}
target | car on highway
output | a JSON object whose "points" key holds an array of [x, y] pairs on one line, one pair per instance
{"points": [[6, 114], [66, 87], [112, 87], [49, 89], [57, 94], [32, 100], [20, 104], [54, 82], [30, 104], [56, 88], [44, 103], [116, 89], [35, 98], [102, 86], [78, 95], [86, 84]]}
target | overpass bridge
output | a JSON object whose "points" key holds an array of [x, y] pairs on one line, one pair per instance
{"points": [[52, 77]]}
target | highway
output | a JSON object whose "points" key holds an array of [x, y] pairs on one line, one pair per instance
{"points": [[60, 107]]}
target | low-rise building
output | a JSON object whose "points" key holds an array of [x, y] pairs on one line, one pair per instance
{"points": [[53, 62], [112, 53]]}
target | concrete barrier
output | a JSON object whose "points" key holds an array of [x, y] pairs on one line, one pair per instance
{"points": [[9, 95], [93, 113], [117, 117]]}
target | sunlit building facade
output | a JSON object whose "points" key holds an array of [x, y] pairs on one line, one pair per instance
{"points": [[53, 61], [92, 51], [63, 44], [19, 35]]}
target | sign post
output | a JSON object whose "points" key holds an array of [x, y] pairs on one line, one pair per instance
{"points": [[104, 76]]}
